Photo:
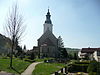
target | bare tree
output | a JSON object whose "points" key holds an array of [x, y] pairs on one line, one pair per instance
{"points": [[14, 28]]}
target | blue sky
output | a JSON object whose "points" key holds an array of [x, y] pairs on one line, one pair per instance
{"points": [[77, 21]]}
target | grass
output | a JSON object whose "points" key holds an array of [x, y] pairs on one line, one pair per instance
{"points": [[47, 68], [19, 65]]}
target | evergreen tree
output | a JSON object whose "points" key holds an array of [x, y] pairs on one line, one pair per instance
{"points": [[60, 42], [75, 56], [32, 56], [24, 47], [63, 53]]}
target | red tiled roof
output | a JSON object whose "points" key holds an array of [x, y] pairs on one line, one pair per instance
{"points": [[89, 50]]}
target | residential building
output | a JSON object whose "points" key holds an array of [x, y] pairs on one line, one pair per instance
{"points": [[89, 53]]}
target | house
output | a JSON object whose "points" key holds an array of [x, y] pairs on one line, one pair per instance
{"points": [[96, 55], [89, 53]]}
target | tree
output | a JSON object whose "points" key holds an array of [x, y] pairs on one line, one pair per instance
{"points": [[64, 53], [75, 56], [60, 42], [14, 29], [18, 51], [24, 47], [70, 56], [32, 56]]}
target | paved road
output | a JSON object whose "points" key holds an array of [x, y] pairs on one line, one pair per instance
{"points": [[30, 69]]}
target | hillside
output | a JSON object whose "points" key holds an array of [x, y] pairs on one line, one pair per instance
{"points": [[4, 44], [72, 49]]}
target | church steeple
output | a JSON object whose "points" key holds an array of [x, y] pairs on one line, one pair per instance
{"points": [[48, 20], [48, 24]]}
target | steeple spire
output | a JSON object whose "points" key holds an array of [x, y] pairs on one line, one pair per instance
{"points": [[48, 24], [48, 20]]}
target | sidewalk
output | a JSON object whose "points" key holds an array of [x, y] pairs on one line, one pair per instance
{"points": [[30, 69]]}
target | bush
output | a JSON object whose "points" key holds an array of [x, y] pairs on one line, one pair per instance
{"points": [[78, 66], [4, 57], [83, 62], [31, 56], [29, 60], [21, 56], [92, 73], [92, 67]]}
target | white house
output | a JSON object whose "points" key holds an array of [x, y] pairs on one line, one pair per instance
{"points": [[90, 53], [96, 56]]}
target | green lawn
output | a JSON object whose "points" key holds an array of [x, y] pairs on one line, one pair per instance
{"points": [[47, 68], [19, 65]]}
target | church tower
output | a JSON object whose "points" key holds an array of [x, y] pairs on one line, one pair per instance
{"points": [[48, 22]]}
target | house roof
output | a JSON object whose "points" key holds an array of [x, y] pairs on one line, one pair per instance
{"points": [[89, 50]]}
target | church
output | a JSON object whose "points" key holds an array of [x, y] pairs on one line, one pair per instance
{"points": [[48, 43]]}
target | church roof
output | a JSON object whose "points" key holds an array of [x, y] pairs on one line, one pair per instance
{"points": [[48, 36]]}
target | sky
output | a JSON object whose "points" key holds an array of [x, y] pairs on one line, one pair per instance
{"points": [[76, 21]]}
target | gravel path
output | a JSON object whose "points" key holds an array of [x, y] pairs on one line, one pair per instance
{"points": [[30, 69]]}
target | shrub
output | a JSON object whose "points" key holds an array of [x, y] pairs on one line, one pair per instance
{"points": [[92, 66], [78, 67], [29, 60], [21, 56], [4, 57], [92, 73]]}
